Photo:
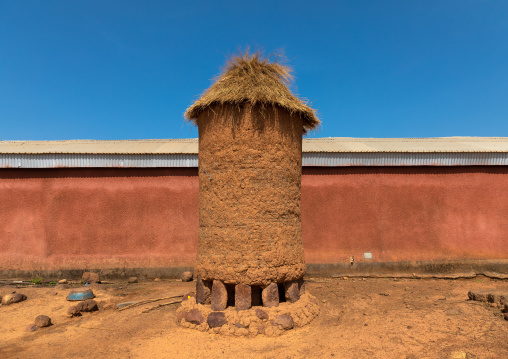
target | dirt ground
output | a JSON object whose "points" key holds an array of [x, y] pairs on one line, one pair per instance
{"points": [[359, 318]]}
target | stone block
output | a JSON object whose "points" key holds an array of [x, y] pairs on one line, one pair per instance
{"points": [[216, 319], [219, 298], [270, 296], [202, 291], [194, 316], [243, 297], [301, 285], [291, 291]]}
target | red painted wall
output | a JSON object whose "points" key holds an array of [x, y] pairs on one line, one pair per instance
{"points": [[405, 213], [54, 219], [97, 218]]}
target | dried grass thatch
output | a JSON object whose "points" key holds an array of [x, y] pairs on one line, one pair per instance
{"points": [[252, 78]]}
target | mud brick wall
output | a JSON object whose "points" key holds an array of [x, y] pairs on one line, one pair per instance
{"points": [[249, 195]]}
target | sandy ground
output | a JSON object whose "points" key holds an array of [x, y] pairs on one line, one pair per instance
{"points": [[370, 318]]}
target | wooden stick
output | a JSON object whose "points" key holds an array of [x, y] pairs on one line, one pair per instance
{"points": [[149, 301], [160, 306]]}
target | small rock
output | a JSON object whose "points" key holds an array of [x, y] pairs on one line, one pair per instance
{"points": [[384, 294], [284, 320], [73, 311], [88, 305], [194, 316], [216, 319], [261, 314], [62, 281], [270, 295], [13, 298], [187, 277], [189, 296], [479, 296], [505, 316], [292, 292], [505, 309], [219, 299], [31, 328], [90, 277], [157, 280], [43, 321], [133, 280], [202, 291], [243, 297], [241, 326]]}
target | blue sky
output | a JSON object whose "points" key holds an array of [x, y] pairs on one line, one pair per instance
{"points": [[129, 69]]}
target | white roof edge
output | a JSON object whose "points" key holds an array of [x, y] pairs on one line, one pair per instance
{"points": [[310, 145]]}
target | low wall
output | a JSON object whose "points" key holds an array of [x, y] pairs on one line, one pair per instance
{"points": [[124, 221]]}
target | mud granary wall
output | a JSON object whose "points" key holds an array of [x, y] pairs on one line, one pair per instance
{"points": [[249, 195]]}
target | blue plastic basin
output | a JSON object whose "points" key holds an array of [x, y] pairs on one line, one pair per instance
{"points": [[80, 294]]}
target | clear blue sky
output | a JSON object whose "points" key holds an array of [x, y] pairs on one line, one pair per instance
{"points": [[129, 69]]}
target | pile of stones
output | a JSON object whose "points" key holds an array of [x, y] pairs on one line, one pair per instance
{"points": [[498, 299], [236, 311]]}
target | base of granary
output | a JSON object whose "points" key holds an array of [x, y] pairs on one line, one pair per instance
{"points": [[270, 321]]}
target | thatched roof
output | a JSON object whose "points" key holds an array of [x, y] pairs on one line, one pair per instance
{"points": [[252, 78]]}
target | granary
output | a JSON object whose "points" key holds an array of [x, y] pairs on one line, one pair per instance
{"points": [[250, 163]]}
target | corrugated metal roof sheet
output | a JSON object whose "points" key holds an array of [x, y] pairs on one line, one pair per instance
{"points": [[438, 144], [338, 151], [330, 144]]}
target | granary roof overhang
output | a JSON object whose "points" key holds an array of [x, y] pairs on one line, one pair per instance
{"points": [[333, 151], [256, 80]]}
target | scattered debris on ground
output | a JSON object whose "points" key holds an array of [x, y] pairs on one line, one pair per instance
{"points": [[187, 277], [418, 318]]}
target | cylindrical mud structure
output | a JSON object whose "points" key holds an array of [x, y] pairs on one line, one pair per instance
{"points": [[250, 162], [250, 166]]}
